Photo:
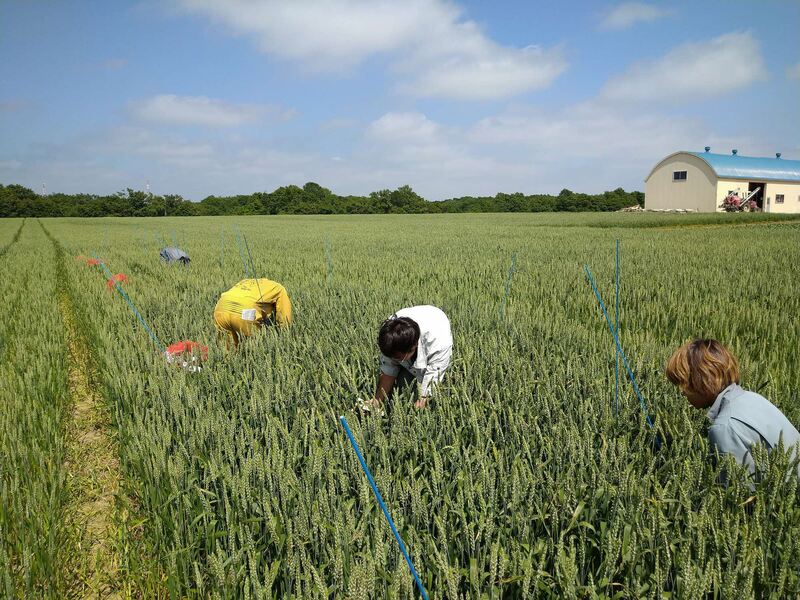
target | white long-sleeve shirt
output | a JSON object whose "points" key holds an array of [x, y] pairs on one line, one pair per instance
{"points": [[434, 348]]}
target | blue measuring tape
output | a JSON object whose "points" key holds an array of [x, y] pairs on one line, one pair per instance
{"points": [[383, 507], [130, 303], [619, 347]]}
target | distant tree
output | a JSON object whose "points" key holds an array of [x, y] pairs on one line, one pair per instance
{"points": [[136, 202], [404, 199], [312, 198], [171, 203]]}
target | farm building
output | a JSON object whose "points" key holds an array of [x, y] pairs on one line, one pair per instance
{"points": [[701, 181]]}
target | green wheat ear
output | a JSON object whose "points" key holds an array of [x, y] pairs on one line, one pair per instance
{"points": [[519, 481]]}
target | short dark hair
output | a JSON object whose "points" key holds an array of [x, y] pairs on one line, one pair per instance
{"points": [[398, 334]]}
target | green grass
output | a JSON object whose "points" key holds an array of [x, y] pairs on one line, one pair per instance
{"points": [[518, 481], [10, 231], [35, 538]]}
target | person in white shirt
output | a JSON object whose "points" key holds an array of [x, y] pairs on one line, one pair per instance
{"points": [[416, 345]]}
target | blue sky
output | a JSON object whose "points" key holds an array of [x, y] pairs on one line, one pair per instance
{"points": [[203, 97]]}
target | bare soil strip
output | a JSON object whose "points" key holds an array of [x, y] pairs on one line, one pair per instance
{"points": [[93, 470], [92, 463]]}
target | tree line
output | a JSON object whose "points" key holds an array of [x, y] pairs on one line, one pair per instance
{"points": [[312, 198]]}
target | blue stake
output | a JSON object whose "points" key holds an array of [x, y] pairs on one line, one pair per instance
{"points": [[383, 507], [174, 239], [250, 257], [252, 267], [141, 237], [221, 248], [128, 300], [616, 354], [241, 251], [619, 348], [510, 277], [329, 258]]}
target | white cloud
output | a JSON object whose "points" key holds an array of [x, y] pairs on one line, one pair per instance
{"points": [[595, 146], [165, 149], [493, 73], [435, 51], [200, 110], [587, 147], [691, 72], [327, 35], [64, 174], [412, 139], [437, 161], [590, 146], [587, 130], [793, 72], [584, 147], [628, 14], [339, 123], [173, 152], [393, 127]]}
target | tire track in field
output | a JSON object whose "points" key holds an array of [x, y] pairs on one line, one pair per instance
{"points": [[92, 459], [792, 221], [13, 241]]}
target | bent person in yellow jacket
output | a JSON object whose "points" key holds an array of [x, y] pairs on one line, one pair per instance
{"points": [[249, 304]]}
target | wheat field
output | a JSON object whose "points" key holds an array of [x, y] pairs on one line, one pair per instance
{"points": [[520, 480]]}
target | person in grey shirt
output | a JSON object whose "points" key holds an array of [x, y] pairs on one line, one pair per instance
{"points": [[708, 375], [172, 255]]}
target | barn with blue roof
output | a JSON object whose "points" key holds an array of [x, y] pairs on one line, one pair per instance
{"points": [[700, 181]]}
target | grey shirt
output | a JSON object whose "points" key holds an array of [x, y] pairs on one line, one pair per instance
{"points": [[741, 419], [171, 255]]}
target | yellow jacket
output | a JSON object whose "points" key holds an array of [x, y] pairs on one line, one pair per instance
{"points": [[267, 298]]}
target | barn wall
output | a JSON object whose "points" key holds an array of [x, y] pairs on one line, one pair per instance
{"points": [[790, 191], [698, 192], [791, 200]]}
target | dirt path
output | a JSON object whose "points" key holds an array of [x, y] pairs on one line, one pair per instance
{"points": [[93, 470], [92, 461]]}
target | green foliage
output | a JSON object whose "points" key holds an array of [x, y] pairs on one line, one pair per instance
{"points": [[34, 402], [18, 201], [518, 481]]}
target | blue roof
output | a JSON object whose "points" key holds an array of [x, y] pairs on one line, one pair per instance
{"points": [[751, 167]]}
